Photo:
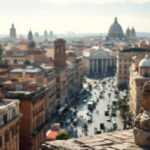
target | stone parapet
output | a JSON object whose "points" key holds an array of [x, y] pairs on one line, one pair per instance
{"points": [[118, 140]]}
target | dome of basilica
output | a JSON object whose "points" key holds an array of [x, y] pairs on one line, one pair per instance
{"points": [[115, 31]]}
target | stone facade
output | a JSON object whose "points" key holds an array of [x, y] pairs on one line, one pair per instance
{"points": [[60, 53], [124, 58], [136, 82], [32, 106], [9, 124], [142, 121], [50, 82], [98, 61]]}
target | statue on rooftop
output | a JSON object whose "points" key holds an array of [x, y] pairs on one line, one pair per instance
{"points": [[142, 121]]}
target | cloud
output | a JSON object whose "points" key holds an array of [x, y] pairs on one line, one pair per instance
{"points": [[63, 2], [99, 2], [142, 1]]}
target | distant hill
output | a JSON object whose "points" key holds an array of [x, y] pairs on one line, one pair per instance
{"points": [[143, 34]]}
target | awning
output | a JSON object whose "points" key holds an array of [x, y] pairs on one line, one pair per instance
{"points": [[52, 135]]}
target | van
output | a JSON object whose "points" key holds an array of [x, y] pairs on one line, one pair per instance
{"points": [[90, 105]]}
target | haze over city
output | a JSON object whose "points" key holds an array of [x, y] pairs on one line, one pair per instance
{"points": [[86, 16]]}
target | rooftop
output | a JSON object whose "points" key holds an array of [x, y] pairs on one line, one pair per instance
{"points": [[118, 140], [6, 102], [26, 95], [28, 69], [136, 50]]}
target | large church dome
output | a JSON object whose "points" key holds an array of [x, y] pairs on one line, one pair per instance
{"points": [[115, 31]]}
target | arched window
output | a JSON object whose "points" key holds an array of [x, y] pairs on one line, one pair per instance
{"points": [[1, 142], [57, 50], [146, 74], [6, 136]]}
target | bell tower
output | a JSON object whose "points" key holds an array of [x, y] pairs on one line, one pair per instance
{"points": [[59, 53]]}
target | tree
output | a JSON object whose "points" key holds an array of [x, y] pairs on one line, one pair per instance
{"points": [[1, 52], [63, 135], [27, 62], [90, 87]]}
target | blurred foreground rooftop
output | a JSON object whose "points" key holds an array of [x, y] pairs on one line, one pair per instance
{"points": [[119, 140]]}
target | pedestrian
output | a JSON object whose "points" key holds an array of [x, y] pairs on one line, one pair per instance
{"points": [[97, 112]]}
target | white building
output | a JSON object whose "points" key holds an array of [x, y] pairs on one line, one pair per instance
{"points": [[98, 60]]}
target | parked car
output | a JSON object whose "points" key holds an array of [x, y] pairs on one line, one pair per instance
{"points": [[84, 101], [113, 113], [75, 121], [102, 126], [114, 101], [90, 105], [106, 112], [109, 119], [89, 119], [108, 106], [68, 121], [89, 113], [113, 120]]}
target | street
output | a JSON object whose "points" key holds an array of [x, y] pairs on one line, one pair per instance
{"points": [[94, 110], [99, 118]]}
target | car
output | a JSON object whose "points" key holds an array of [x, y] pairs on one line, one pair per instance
{"points": [[68, 121], [116, 92], [84, 101], [85, 96], [108, 106], [102, 126], [109, 119], [113, 113], [114, 101], [101, 96], [90, 105], [113, 120], [89, 114], [114, 126], [75, 121], [89, 119], [106, 113]]}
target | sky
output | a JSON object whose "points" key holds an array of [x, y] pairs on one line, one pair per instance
{"points": [[79, 16]]}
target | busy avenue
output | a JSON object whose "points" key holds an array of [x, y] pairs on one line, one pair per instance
{"points": [[94, 110]]}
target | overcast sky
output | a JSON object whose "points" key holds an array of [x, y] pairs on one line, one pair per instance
{"points": [[81, 16]]}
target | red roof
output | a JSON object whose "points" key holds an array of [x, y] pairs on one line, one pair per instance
{"points": [[52, 135]]}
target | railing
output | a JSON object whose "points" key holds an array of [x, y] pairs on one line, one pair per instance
{"points": [[9, 121]]}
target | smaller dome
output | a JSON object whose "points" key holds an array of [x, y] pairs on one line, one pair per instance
{"points": [[145, 62]]}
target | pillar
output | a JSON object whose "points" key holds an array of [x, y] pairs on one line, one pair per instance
{"points": [[102, 65]]}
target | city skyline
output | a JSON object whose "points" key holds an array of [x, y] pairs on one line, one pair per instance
{"points": [[80, 16]]}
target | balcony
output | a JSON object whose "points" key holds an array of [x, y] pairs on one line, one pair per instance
{"points": [[11, 121]]}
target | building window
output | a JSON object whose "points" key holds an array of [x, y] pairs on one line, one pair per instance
{"points": [[31, 76], [6, 136], [5, 118], [1, 142], [13, 113], [57, 79], [57, 50]]}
